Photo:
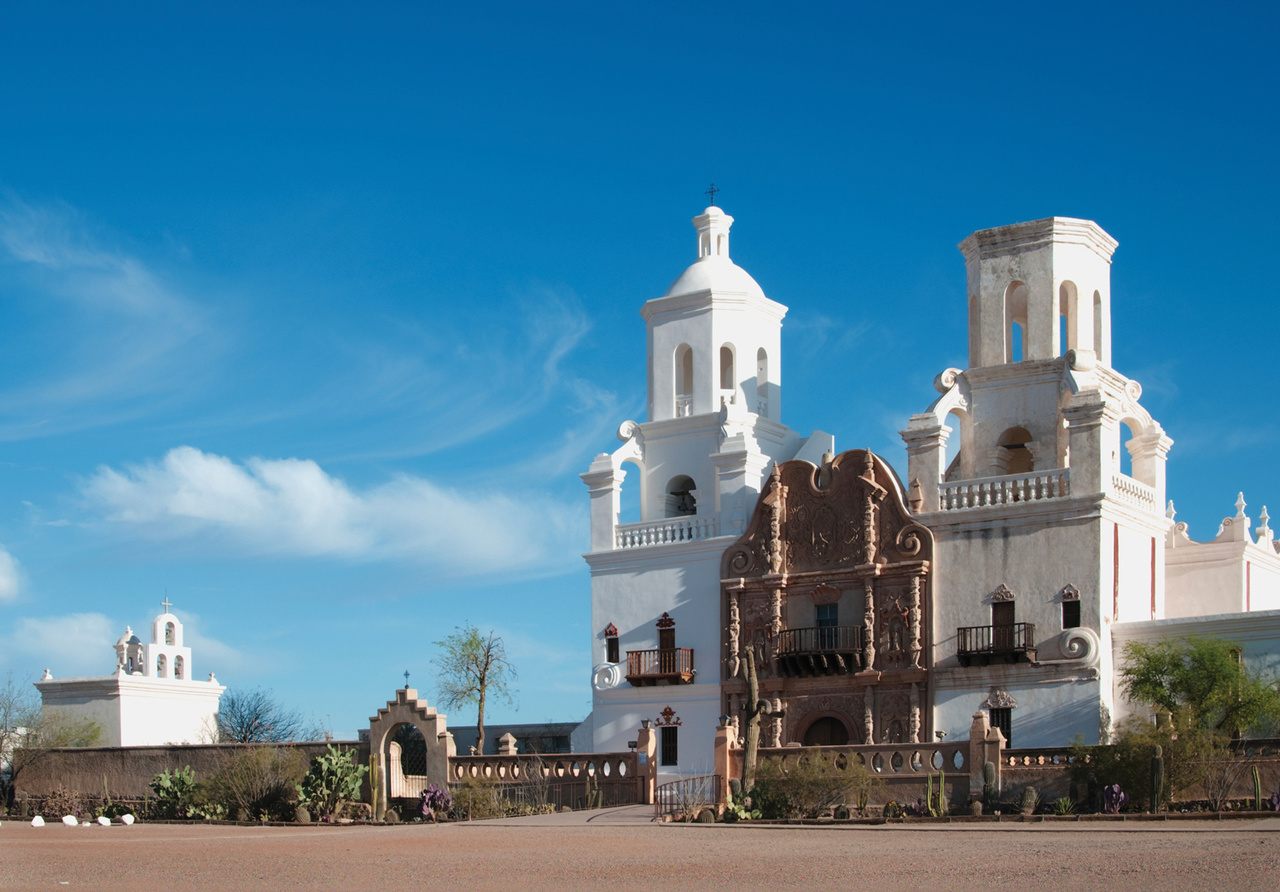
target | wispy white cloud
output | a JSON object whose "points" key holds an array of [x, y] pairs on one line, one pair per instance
{"points": [[10, 577], [293, 508], [70, 646], [104, 336]]}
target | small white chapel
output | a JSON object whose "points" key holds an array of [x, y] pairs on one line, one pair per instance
{"points": [[151, 698]]}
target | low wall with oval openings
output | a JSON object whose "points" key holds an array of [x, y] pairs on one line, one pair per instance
{"points": [[580, 780]]}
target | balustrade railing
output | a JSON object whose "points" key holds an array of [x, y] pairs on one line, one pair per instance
{"points": [[673, 665], [664, 532], [1133, 492], [959, 495], [586, 780], [1011, 643]]}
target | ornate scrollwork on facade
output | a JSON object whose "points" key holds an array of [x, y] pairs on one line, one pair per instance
{"points": [[998, 698], [1002, 593], [916, 646], [837, 537], [667, 717], [735, 630], [1070, 593]]}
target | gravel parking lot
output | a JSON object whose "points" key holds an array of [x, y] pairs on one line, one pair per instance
{"points": [[624, 851]]}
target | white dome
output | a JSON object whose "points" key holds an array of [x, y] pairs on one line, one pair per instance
{"points": [[715, 273]]}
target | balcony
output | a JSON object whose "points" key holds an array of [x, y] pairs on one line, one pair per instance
{"points": [[665, 532], [984, 645], [668, 665], [960, 495], [825, 650]]}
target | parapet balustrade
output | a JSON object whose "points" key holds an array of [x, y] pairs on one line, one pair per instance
{"points": [[577, 780], [664, 532], [905, 762], [959, 495], [1133, 492]]}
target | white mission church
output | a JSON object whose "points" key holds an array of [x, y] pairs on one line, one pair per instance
{"points": [[1030, 540]]}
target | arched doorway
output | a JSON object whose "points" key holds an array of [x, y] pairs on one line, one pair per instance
{"points": [[826, 731]]}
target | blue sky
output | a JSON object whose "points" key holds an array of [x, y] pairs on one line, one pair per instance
{"points": [[310, 315]]}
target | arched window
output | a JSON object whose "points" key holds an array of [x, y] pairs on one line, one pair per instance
{"points": [[629, 507], [1015, 317], [1068, 318], [179, 668], [168, 633], [1014, 457], [680, 500], [1124, 458], [160, 666], [1098, 346], [726, 368], [684, 380], [762, 382]]}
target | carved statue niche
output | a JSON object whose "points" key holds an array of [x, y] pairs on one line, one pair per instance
{"points": [[895, 628]]}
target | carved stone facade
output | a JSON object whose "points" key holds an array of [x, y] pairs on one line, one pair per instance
{"points": [[830, 587]]}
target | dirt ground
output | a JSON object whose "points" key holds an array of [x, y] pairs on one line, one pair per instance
{"points": [[512, 856]]}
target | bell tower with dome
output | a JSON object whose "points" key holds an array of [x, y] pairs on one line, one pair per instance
{"points": [[697, 465]]}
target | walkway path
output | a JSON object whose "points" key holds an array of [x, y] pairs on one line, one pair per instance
{"points": [[621, 849]]}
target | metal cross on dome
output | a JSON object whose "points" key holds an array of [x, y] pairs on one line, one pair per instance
{"points": [[711, 193], [406, 679]]}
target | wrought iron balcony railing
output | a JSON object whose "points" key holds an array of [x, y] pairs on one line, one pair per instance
{"points": [[822, 650], [983, 645], [667, 665]]}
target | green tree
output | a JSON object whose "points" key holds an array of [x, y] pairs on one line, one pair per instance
{"points": [[1204, 680], [27, 733], [471, 666]]}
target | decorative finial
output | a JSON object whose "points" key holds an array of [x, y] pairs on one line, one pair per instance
{"points": [[406, 679], [711, 194], [1170, 512], [165, 604], [1263, 532], [1240, 503]]}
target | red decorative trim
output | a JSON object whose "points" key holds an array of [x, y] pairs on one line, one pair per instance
{"points": [[666, 622], [667, 716], [611, 631]]}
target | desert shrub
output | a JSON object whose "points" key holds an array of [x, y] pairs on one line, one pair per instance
{"points": [[258, 783], [477, 798], [62, 802], [812, 784], [1189, 754], [333, 778]]}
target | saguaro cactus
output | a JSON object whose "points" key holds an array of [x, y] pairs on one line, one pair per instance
{"points": [[756, 707], [990, 794], [1157, 779], [1257, 789]]}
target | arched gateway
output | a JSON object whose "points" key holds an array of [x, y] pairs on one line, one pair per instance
{"points": [[390, 741]]}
